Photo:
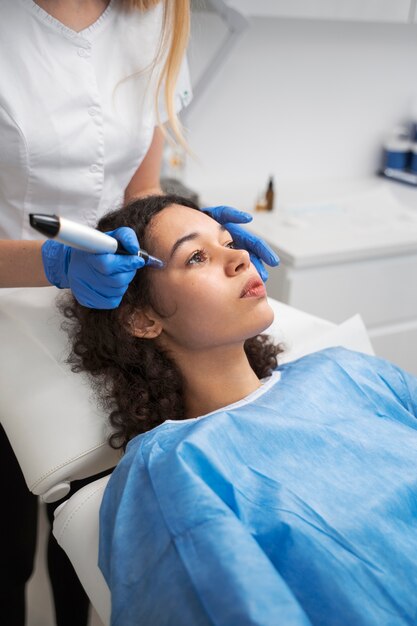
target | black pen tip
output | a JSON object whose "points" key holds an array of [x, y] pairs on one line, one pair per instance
{"points": [[46, 224]]}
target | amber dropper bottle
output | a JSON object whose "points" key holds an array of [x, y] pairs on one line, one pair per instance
{"points": [[269, 195]]}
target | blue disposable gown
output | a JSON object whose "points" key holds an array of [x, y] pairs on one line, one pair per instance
{"points": [[295, 506]]}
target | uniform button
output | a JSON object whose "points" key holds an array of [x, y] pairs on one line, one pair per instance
{"points": [[95, 168], [82, 52], [92, 111]]}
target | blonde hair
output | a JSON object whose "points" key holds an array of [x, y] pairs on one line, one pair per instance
{"points": [[174, 39]]}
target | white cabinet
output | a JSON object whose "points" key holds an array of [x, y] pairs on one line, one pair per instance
{"points": [[380, 289], [394, 11], [334, 265]]}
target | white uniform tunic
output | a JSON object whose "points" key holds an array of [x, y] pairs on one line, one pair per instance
{"points": [[77, 111]]}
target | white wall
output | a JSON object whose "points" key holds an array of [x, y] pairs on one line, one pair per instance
{"points": [[302, 100]]}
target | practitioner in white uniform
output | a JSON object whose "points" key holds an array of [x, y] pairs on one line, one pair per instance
{"points": [[79, 134]]}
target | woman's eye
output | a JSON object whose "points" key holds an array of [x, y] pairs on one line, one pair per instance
{"points": [[199, 256]]}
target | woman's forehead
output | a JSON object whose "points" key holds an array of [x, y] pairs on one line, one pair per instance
{"points": [[177, 221]]}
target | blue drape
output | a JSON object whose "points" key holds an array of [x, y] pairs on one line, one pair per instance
{"points": [[297, 506]]}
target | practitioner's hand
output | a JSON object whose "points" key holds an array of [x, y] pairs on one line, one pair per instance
{"points": [[259, 251], [98, 281]]}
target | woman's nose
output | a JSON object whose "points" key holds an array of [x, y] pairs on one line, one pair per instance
{"points": [[236, 261]]}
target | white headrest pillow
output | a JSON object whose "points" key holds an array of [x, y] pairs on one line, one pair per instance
{"points": [[49, 414]]}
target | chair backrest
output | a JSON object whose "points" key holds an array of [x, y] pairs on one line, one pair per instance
{"points": [[76, 529]]}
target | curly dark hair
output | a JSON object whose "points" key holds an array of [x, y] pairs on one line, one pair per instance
{"points": [[137, 382]]}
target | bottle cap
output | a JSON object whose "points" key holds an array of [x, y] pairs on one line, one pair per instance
{"points": [[394, 144]]}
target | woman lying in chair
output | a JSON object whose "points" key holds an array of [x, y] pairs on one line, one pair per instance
{"points": [[249, 493]]}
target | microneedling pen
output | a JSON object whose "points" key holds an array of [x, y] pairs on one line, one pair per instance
{"points": [[84, 237]]}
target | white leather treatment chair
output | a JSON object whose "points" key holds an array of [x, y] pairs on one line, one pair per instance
{"points": [[58, 433]]}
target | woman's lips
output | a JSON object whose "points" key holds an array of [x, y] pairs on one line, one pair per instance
{"points": [[254, 288]]}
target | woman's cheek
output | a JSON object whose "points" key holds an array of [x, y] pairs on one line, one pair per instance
{"points": [[195, 288], [203, 292]]}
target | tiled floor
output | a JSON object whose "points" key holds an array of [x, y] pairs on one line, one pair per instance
{"points": [[39, 602]]}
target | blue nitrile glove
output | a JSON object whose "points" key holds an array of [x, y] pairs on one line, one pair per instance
{"points": [[98, 281], [259, 251]]}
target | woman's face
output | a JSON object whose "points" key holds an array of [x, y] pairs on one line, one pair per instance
{"points": [[209, 294]]}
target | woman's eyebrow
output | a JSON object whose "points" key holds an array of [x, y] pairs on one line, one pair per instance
{"points": [[182, 240], [186, 238]]}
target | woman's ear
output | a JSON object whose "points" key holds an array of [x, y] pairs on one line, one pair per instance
{"points": [[145, 325]]}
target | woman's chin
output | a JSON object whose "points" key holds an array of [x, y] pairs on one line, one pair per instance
{"points": [[262, 317]]}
